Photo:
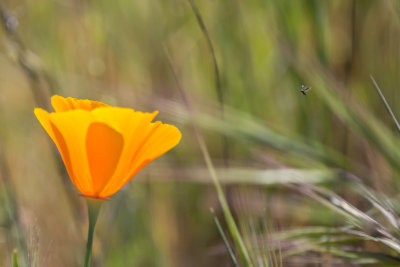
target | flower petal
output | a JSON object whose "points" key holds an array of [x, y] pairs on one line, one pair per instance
{"points": [[163, 139], [62, 147], [62, 104], [133, 125], [43, 117], [158, 139], [72, 127], [103, 147]]}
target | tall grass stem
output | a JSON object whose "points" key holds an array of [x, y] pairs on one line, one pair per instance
{"points": [[226, 241], [385, 102], [233, 228]]}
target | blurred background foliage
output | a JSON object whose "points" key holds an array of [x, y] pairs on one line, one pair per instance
{"points": [[311, 180]]}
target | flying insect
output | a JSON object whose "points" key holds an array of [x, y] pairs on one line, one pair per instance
{"points": [[304, 89]]}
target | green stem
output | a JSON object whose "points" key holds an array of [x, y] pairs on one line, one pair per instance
{"points": [[94, 206], [15, 258]]}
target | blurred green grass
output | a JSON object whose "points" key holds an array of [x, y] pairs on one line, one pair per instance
{"points": [[115, 51]]}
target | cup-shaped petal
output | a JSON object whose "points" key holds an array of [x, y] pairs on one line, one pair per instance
{"points": [[103, 147], [61, 104]]}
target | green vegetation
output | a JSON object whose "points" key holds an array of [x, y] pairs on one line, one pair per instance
{"points": [[292, 179]]}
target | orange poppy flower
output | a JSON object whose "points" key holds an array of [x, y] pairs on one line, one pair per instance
{"points": [[102, 146]]}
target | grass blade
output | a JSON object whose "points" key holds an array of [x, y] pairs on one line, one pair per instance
{"points": [[226, 242], [244, 255], [385, 102]]}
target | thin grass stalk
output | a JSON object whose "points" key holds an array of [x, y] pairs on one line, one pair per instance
{"points": [[385, 102], [274, 258], [8, 192], [353, 116], [226, 242], [280, 253], [210, 45], [265, 245], [218, 86], [244, 255], [243, 128], [225, 207], [246, 234]]}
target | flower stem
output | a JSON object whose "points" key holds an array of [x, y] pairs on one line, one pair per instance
{"points": [[94, 206], [15, 258]]}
